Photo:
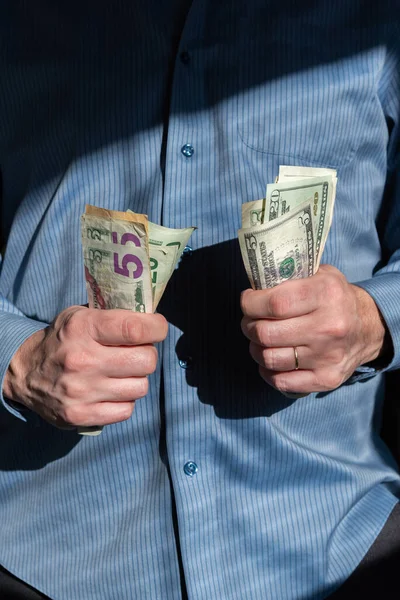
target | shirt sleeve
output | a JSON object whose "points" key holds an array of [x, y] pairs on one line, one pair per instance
{"points": [[384, 286], [15, 328]]}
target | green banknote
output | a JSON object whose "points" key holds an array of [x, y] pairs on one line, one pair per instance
{"points": [[283, 235], [285, 196], [165, 249], [279, 250]]}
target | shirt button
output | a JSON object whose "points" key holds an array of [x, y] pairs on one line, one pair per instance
{"points": [[185, 57], [187, 251], [190, 468], [187, 150], [185, 363]]}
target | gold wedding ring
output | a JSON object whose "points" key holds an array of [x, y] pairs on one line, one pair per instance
{"points": [[296, 359]]}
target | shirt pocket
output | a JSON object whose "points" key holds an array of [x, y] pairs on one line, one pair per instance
{"points": [[317, 114]]}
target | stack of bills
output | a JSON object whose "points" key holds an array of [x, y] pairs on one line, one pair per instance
{"points": [[284, 234], [128, 261]]}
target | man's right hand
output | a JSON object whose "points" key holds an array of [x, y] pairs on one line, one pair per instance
{"points": [[86, 368]]}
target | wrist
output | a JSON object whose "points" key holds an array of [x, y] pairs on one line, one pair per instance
{"points": [[375, 337], [15, 380]]}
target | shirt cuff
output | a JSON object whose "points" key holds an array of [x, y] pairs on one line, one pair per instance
{"points": [[14, 330], [385, 291]]}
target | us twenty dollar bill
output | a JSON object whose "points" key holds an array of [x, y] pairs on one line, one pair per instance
{"points": [[280, 250], [283, 235], [253, 212], [291, 173], [165, 249], [284, 196]]}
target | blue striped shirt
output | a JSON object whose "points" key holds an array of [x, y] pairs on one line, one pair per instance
{"points": [[97, 100]]}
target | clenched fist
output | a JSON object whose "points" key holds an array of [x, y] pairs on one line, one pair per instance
{"points": [[88, 367], [309, 335]]}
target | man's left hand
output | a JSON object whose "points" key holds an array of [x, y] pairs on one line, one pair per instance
{"points": [[329, 326]]}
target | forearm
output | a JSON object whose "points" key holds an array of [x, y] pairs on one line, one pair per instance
{"points": [[15, 386]]}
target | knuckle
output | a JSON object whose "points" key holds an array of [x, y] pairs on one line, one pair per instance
{"points": [[261, 333], [77, 360], [305, 291], [72, 322], [133, 330], [335, 289], [270, 359], [244, 301], [142, 387], [163, 326], [279, 304], [330, 380], [125, 412], [338, 328], [280, 382], [342, 327], [71, 388], [150, 360], [71, 415], [337, 356]]}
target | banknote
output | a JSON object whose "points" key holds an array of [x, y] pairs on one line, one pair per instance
{"points": [[289, 173], [294, 172], [281, 249], [253, 213], [116, 259], [284, 196], [165, 249]]}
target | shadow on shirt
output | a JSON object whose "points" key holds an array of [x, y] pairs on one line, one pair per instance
{"points": [[77, 77], [221, 367], [31, 445], [203, 301]]}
